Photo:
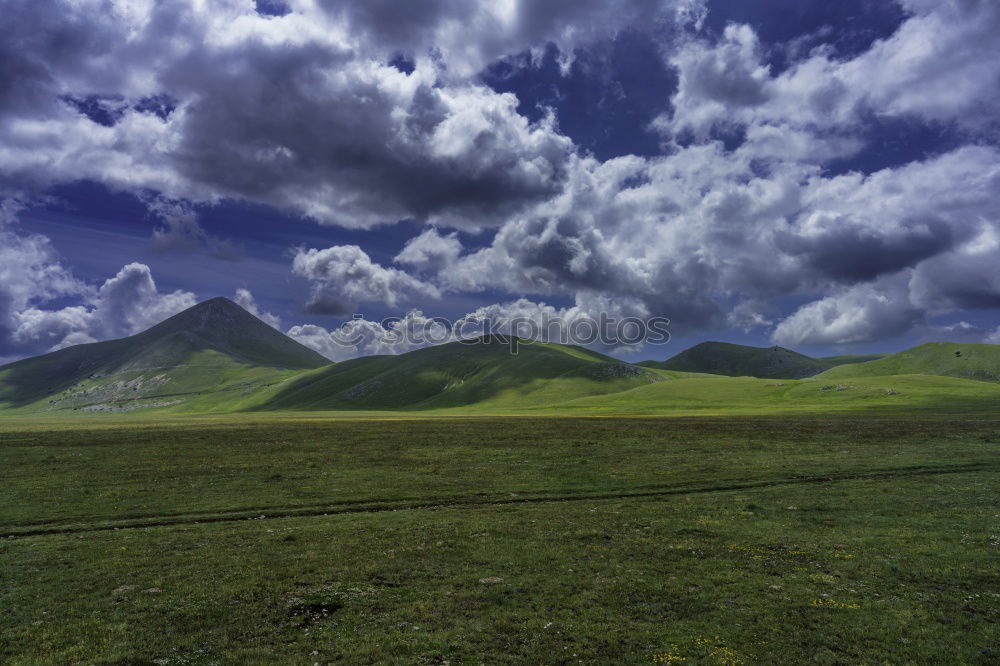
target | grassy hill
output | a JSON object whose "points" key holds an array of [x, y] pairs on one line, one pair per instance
{"points": [[459, 374], [559, 380], [715, 395], [950, 359], [848, 359], [723, 358], [215, 347]]}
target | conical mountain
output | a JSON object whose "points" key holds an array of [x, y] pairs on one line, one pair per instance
{"points": [[207, 346], [224, 326]]}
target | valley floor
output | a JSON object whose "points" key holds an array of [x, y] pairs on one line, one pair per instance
{"points": [[307, 540]]}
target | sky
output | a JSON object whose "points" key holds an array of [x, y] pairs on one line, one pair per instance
{"points": [[821, 176]]}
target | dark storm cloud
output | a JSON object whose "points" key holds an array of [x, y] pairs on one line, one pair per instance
{"points": [[848, 252], [39, 52], [312, 127], [470, 34], [322, 303], [961, 279], [308, 135], [309, 124]]}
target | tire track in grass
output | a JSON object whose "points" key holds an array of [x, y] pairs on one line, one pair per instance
{"points": [[463, 501]]}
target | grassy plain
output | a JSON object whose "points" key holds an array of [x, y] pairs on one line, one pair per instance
{"points": [[264, 538]]}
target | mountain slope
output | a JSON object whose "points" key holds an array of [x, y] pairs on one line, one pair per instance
{"points": [[462, 373], [723, 358], [848, 359], [949, 359], [204, 348]]}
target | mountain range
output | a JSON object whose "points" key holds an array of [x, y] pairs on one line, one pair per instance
{"points": [[216, 357]]}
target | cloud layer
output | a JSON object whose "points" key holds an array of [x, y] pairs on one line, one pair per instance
{"points": [[301, 110], [365, 114]]}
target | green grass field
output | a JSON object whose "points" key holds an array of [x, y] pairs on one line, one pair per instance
{"points": [[304, 539]]}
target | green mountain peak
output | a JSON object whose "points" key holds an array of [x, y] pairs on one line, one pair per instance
{"points": [[197, 350]]}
